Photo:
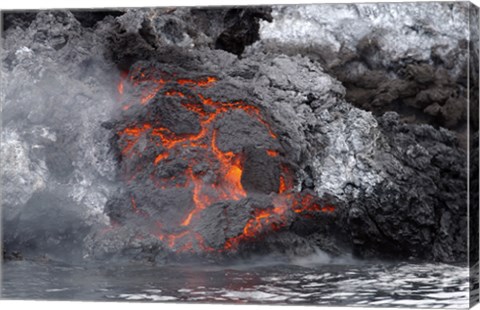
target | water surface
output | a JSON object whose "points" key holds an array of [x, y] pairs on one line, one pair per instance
{"points": [[306, 282]]}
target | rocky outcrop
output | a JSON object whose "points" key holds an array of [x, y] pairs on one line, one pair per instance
{"points": [[410, 58], [373, 184]]}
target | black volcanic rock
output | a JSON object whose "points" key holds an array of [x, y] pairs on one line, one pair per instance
{"points": [[241, 28], [261, 172], [237, 130], [17, 19], [89, 19], [425, 213], [171, 114], [380, 187], [222, 221]]}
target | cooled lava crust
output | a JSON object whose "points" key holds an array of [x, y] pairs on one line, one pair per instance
{"points": [[202, 175]]}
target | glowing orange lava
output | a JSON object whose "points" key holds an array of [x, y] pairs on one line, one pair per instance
{"points": [[272, 153], [121, 83], [227, 184]]}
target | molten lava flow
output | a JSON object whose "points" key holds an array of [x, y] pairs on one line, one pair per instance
{"points": [[160, 157], [173, 93], [121, 83], [286, 181], [309, 203], [272, 153], [202, 82], [231, 169], [120, 87], [133, 135], [201, 201], [228, 165]]}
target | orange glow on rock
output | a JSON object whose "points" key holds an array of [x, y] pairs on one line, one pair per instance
{"points": [[226, 184], [174, 93], [133, 135], [121, 83], [120, 87], [160, 157], [202, 82], [310, 203], [272, 153]]}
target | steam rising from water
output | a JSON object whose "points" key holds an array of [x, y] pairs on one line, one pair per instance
{"points": [[322, 258], [55, 160]]}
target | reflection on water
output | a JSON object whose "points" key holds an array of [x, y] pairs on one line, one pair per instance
{"points": [[305, 282]]}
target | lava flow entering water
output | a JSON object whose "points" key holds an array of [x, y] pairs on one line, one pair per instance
{"points": [[227, 165]]}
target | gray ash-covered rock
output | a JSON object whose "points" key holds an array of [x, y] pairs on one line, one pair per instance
{"points": [[167, 148], [17, 19], [411, 58], [229, 29], [90, 18], [427, 212]]}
